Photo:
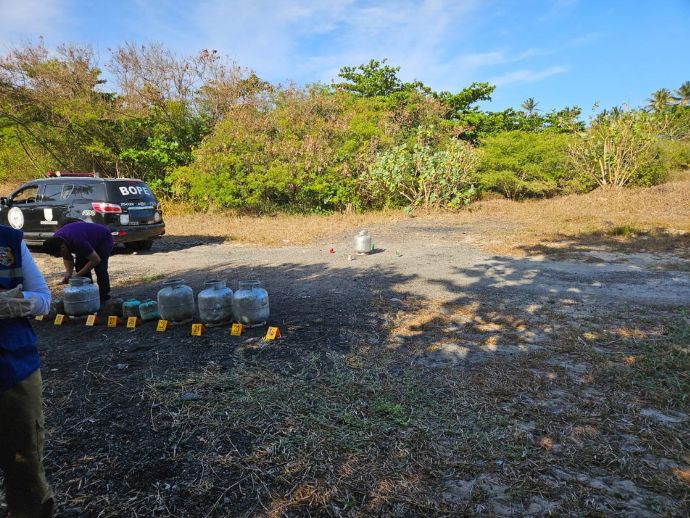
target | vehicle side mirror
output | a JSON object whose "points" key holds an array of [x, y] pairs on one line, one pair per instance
{"points": [[4, 201]]}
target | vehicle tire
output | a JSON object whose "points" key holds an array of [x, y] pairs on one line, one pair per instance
{"points": [[139, 245]]}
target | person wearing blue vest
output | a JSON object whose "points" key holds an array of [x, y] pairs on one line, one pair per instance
{"points": [[23, 292]]}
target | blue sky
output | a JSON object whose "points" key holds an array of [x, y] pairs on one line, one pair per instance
{"points": [[560, 52]]}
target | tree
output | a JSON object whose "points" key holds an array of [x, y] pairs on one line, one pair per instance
{"points": [[530, 106], [460, 104], [53, 102], [683, 94], [660, 100], [373, 79]]}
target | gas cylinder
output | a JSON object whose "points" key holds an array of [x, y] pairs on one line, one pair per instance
{"points": [[363, 242], [176, 301], [250, 304], [81, 297], [215, 303]]}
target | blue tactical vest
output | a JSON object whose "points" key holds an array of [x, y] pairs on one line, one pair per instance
{"points": [[18, 351]]}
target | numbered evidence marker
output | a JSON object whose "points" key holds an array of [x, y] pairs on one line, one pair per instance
{"points": [[162, 326], [197, 329], [113, 321], [39, 317], [273, 333], [132, 322], [59, 319], [91, 320], [236, 330]]}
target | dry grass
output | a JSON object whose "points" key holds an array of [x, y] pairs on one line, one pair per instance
{"points": [[658, 216], [279, 230], [372, 437], [651, 219]]}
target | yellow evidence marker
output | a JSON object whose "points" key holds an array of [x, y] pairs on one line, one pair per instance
{"points": [[39, 317], [91, 320], [113, 321], [237, 330], [59, 319], [162, 326], [197, 329], [273, 333], [132, 322]]}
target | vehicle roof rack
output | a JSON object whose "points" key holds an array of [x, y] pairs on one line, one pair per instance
{"points": [[59, 174]]}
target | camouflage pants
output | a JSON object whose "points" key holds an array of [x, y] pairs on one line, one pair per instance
{"points": [[21, 450]]}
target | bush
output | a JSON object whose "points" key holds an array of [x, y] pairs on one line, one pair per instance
{"points": [[419, 176], [621, 149], [520, 164], [674, 154], [303, 153]]}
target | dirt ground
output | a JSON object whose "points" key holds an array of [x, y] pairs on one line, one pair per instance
{"points": [[429, 378]]}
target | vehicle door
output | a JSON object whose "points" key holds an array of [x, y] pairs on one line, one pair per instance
{"points": [[22, 211], [56, 199]]}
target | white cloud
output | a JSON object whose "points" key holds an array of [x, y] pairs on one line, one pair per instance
{"points": [[559, 8], [309, 40], [528, 76], [282, 39], [23, 20]]}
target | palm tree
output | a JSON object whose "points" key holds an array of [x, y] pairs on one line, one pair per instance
{"points": [[660, 100], [683, 94], [530, 106]]}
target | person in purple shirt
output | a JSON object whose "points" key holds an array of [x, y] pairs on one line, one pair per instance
{"points": [[83, 247]]}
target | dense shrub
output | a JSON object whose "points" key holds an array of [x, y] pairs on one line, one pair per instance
{"points": [[674, 154], [621, 149], [520, 164], [304, 154], [418, 175]]}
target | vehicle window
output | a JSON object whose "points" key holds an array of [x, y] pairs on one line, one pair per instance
{"points": [[66, 191], [56, 191], [90, 191], [25, 195], [130, 191]]}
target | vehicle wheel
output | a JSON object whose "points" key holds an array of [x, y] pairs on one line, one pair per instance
{"points": [[139, 245]]}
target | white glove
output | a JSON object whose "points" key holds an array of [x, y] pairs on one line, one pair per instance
{"points": [[14, 308], [14, 293]]}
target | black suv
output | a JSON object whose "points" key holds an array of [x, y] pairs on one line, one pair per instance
{"points": [[127, 207]]}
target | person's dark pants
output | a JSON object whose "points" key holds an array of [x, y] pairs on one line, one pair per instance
{"points": [[101, 270], [21, 449]]}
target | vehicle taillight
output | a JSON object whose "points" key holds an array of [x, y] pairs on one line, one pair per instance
{"points": [[106, 208]]}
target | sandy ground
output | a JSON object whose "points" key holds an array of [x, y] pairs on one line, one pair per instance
{"points": [[412, 259]]}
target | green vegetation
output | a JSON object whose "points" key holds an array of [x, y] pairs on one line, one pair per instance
{"points": [[209, 133], [520, 164]]}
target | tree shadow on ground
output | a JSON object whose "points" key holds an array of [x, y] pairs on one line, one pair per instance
{"points": [[384, 386], [174, 243], [620, 239]]}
